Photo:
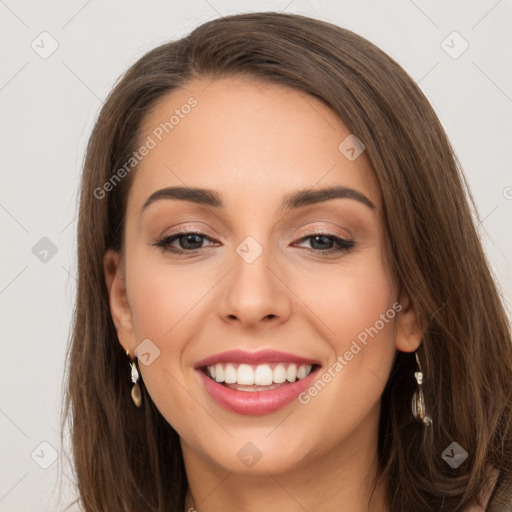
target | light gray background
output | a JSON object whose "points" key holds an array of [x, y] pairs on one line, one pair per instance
{"points": [[48, 108]]}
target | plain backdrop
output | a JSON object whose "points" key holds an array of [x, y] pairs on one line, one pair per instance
{"points": [[49, 103]]}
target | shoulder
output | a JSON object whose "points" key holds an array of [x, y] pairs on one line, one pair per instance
{"points": [[486, 495]]}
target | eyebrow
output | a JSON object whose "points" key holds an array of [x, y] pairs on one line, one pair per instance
{"points": [[297, 199]]}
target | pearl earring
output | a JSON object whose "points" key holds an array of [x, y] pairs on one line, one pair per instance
{"points": [[136, 393], [418, 400]]}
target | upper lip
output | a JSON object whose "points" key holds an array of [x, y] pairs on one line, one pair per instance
{"points": [[263, 356]]}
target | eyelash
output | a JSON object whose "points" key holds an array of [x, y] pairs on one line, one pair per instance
{"points": [[165, 243]]}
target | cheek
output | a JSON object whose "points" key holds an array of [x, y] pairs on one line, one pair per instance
{"points": [[350, 298], [164, 299], [357, 309], [166, 304]]}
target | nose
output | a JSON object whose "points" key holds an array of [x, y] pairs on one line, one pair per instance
{"points": [[254, 294]]}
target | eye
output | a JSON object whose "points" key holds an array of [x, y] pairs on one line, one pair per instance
{"points": [[189, 242], [323, 242]]}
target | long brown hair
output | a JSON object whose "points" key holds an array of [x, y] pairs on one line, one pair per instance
{"points": [[129, 459]]}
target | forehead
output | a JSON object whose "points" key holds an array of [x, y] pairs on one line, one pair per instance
{"points": [[248, 139]]}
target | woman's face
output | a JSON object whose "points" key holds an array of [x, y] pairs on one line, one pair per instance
{"points": [[272, 268]]}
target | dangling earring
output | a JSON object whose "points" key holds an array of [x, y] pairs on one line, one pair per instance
{"points": [[418, 400], [136, 394]]}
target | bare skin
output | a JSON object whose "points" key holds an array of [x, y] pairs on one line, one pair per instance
{"points": [[254, 143]]}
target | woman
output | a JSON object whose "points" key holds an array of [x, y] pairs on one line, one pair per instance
{"points": [[282, 300]]}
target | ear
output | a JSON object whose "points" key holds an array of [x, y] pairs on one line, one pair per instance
{"points": [[119, 307], [409, 327]]}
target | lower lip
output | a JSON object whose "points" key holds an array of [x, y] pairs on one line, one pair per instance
{"points": [[256, 402]]}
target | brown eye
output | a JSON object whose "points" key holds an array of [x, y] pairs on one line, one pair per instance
{"points": [[323, 243], [188, 242]]}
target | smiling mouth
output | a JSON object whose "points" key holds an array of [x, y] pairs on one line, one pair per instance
{"points": [[260, 377]]}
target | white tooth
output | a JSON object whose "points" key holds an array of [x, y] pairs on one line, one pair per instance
{"points": [[230, 374], [245, 375], [303, 371], [263, 375], [279, 374], [211, 371], [252, 389], [219, 373], [291, 373]]}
